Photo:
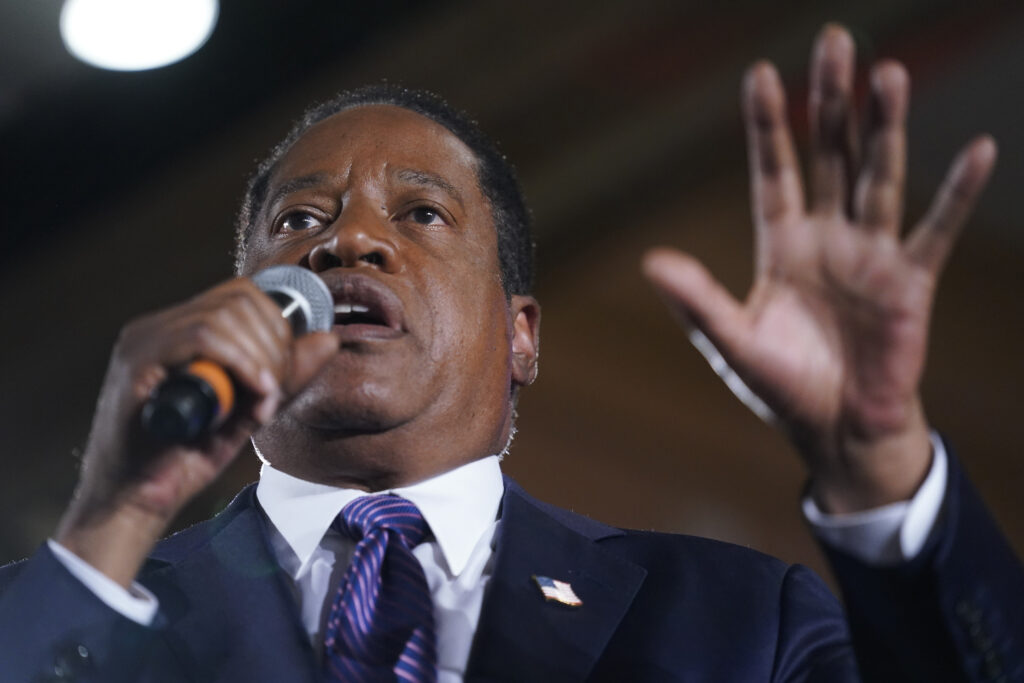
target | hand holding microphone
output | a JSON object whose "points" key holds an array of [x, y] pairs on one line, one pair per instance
{"points": [[200, 396], [159, 436]]}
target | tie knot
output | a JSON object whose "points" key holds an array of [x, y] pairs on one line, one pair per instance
{"points": [[368, 513]]}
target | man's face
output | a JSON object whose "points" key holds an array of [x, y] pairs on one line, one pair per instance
{"points": [[385, 206]]}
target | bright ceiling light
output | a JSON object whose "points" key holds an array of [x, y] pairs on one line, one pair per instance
{"points": [[131, 35]]}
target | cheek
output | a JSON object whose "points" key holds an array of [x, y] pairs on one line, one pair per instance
{"points": [[469, 325], [263, 253], [257, 255]]}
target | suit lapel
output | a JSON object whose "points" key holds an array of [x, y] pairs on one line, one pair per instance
{"points": [[229, 614], [523, 637]]}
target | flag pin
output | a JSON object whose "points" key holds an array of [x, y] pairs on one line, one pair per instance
{"points": [[557, 591]]}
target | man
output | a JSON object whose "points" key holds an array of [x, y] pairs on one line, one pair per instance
{"points": [[414, 223]]}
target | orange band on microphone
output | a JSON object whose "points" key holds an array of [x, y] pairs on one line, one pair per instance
{"points": [[218, 380]]}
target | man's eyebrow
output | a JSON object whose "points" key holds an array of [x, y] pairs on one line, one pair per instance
{"points": [[430, 180], [294, 185]]}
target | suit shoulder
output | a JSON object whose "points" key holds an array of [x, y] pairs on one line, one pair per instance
{"points": [[9, 573], [698, 558], [188, 540], [737, 581], [659, 551]]}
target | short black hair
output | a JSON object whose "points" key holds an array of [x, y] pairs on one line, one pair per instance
{"points": [[495, 174]]}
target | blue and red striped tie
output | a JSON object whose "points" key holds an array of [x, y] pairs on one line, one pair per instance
{"points": [[381, 626]]}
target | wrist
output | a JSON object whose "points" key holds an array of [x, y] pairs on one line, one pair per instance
{"points": [[866, 472], [114, 537]]}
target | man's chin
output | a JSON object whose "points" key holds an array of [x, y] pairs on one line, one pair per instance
{"points": [[335, 416], [361, 394]]}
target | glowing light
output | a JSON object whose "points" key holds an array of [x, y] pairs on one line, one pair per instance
{"points": [[132, 35]]}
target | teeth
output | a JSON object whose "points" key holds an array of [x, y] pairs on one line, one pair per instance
{"points": [[345, 309]]}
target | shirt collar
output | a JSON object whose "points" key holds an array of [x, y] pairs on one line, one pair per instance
{"points": [[459, 505]]}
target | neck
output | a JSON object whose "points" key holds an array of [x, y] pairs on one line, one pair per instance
{"points": [[372, 461]]}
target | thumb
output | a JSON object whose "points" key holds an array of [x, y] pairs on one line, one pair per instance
{"points": [[694, 296], [713, 319], [309, 354]]}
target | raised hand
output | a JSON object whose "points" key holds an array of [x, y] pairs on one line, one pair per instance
{"points": [[832, 336], [132, 487]]}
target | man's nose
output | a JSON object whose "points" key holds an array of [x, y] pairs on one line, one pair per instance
{"points": [[359, 237]]}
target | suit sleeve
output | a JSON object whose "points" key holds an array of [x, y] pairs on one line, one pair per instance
{"points": [[813, 639], [953, 613], [53, 628]]}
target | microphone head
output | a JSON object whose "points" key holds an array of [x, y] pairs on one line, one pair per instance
{"points": [[304, 298]]}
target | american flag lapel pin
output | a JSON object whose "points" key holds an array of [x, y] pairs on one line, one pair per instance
{"points": [[557, 591]]}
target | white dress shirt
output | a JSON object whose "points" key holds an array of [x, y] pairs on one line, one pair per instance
{"points": [[461, 508]]}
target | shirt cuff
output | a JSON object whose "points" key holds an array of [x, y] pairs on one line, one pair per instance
{"points": [[137, 604], [890, 534]]}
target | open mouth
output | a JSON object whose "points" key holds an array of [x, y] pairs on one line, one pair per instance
{"points": [[357, 314], [365, 307]]}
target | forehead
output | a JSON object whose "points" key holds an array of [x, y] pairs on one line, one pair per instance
{"points": [[377, 140]]}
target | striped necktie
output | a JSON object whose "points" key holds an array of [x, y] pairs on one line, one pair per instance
{"points": [[381, 626]]}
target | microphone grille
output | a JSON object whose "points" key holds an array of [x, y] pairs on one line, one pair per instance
{"points": [[306, 288]]}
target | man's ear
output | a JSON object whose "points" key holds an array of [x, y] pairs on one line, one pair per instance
{"points": [[525, 312]]}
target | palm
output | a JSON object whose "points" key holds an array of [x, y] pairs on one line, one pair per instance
{"points": [[832, 336], [835, 326]]}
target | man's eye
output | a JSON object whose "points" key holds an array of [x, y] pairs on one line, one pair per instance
{"points": [[300, 220], [424, 215]]}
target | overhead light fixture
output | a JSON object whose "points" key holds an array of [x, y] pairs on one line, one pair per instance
{"points": [[133, 35]]}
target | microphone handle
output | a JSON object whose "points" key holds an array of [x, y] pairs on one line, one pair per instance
{"points": [[188, 403]]}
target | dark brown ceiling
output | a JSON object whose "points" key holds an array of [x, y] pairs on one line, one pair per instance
{"points": [[119, 193]]}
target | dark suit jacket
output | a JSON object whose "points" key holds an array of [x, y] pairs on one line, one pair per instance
{"points": [[655, 607]]}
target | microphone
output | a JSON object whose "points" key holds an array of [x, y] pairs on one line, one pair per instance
{"points": [[188, 403]]}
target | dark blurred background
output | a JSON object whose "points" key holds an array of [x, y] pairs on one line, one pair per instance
{"points": [[119, 190]]}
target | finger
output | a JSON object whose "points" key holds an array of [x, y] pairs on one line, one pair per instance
{"points": [[878, 201], [270, 312], [198, 336], [234, 323], [309, 354], [831, 119], [222, 445], [259, 317], [776, 191], [696, 298], [932, 240], [250, 331], [266, 330]]}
